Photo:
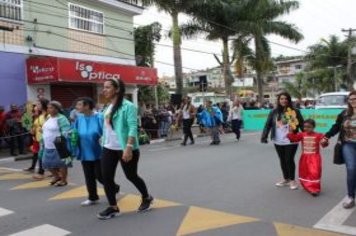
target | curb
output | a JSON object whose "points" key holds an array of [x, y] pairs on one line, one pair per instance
{"points": [[176, 138], [17, 158]]}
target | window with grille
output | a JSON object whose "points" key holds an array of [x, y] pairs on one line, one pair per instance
{"points": [[82, 18], [11, 9]]}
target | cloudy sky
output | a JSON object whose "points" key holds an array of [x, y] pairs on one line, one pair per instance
{"points": [[316, 19]]}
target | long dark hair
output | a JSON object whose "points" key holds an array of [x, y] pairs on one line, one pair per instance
{"points": [[120, 85], [350, 109], [44, 104], [281, 109]]}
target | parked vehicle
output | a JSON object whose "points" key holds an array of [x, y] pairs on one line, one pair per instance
{"points": [[334, 100]]}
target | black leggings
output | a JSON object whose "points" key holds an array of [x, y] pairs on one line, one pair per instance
{"points": [[92, 172], [286, 154], [34, 162], [109, 162], [236, 125], [187, 130]]}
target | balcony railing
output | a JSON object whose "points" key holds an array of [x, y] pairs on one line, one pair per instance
{"points": [[137, 3]]}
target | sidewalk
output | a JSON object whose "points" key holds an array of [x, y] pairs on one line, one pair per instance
{"points": [[178, 135]]}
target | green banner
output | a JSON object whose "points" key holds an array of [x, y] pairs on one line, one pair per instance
{"points": [[254, 120]]}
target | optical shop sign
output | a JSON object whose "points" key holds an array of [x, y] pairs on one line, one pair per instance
{"points": [[254, 120]]}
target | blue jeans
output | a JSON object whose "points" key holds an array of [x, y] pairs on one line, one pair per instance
{"points": [[349, 154]]}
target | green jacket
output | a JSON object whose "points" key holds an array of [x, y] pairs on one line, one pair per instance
{"points": [[125, 124]]}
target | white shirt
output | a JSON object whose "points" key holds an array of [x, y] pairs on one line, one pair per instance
{"points": [[236, 113], [50, 132], [186, 112], [281, 135], [111, 138]]}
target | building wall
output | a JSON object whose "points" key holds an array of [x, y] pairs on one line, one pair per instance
{"points": [[15, 37], [60, 37], [12, 79]]}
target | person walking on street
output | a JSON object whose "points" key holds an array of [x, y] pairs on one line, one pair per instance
{"points": [[187, 115], [86, 134], [345, 125], [15, 130], [310, 167], [212, 118], [55, 126], [235, 116], [120, 144], [40, 116], [279, 122]]}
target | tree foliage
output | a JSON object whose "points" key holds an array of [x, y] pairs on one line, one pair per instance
{"points": [[145, 39]]}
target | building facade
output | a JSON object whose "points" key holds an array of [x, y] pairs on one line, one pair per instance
{"points": [[288, 69], [61, 50]]}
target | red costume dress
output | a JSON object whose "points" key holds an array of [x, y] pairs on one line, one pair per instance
{"points": [[310, 161]]}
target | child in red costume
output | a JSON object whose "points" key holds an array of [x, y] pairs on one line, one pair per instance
{"points": [[310, 162]]}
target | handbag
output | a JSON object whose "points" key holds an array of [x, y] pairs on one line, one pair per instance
{"points": [[338, 158], [61, 145]]}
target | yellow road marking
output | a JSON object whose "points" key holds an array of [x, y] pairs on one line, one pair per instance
{"points": [[79, 192], [33, 185], [200, 219], [292, 230], [15, 176], [131, 202]]}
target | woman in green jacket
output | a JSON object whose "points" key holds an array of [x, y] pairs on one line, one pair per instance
{"points": [[120, 143]]}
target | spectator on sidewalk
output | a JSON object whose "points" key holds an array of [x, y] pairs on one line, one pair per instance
{"points": [[15, 130], [165, 121], [40, 116]]}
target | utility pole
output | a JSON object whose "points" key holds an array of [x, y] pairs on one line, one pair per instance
{"points": [[349, 58]]}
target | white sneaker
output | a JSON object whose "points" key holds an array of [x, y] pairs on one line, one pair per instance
{"points": [[283, 183], [88, 203], [293, 185]]}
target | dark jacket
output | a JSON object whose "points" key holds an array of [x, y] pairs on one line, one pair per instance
{"points": [[338, 127], [271, 125]]}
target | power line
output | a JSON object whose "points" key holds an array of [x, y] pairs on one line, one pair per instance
{"points": [[97, 46]]}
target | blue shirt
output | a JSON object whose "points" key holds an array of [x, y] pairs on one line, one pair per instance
{"points": [[90, 130]]}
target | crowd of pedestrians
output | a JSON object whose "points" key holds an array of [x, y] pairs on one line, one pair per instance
{"points": [[101, 139]]}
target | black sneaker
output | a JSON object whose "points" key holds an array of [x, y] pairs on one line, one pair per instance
{"points": [[109, 213], [145, 204]]}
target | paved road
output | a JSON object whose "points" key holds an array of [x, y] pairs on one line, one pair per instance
{"points": [[199, 190]]}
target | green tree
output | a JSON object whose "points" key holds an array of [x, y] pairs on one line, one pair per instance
{"points": [[174, 8], [145, 39], [301, 87], [326, 58], [263, 20], [215, 19]]}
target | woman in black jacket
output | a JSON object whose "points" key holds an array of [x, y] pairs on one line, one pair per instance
{"points": [[279, 122], [345, 125]]}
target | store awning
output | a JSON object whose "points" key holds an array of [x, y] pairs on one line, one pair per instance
{"points": [[45, 70]]}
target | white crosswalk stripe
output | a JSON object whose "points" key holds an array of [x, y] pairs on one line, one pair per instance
{"points": [[43, 230], [5, 212]]}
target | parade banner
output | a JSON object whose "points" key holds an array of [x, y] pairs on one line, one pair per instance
{"points": [[254, 120]]}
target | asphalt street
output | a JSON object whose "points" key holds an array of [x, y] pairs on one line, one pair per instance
{"points": [[199, 190]]}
